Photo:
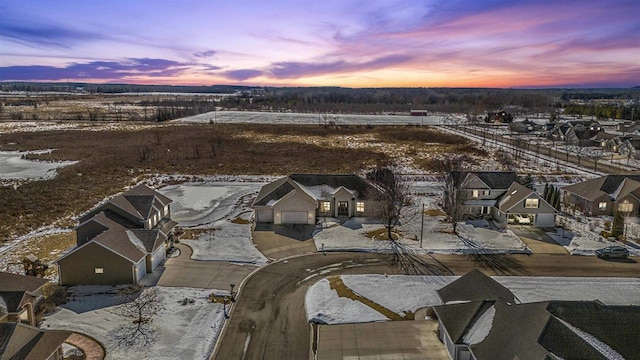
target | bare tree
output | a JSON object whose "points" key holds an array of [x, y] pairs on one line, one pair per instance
{"points": [[596, 154], [453, 198], [141, 309], [395, 197]]}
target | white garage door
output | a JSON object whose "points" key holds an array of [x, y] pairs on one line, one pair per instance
{"points": [[545, 220], [294, 217], [264, 215]]}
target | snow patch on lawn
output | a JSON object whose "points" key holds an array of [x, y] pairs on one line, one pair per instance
{"points": [[182, 331], [340, 310], [228, 242], [583, 237], [403, 293]]}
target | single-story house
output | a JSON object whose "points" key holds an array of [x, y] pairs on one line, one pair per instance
{"points": [[24, 342], [605, 195], [19, 297], [490, 323], [301, 198], [119, 241]]}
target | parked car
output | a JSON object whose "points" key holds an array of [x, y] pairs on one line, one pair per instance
{"points": [[612, 252], [522, 219]]}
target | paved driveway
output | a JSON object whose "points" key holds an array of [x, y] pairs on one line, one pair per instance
{"points": [[537, 240], [181, 271], [398, 340]]}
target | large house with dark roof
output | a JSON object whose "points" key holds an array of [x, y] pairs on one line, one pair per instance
{"points": [[605, 195], [301, 198], [481, 319], [120, 241], [498, 195]]}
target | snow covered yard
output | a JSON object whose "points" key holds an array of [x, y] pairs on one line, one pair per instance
{"points": [[222, 209], [404, 293], [181, 331], [583, 237]]}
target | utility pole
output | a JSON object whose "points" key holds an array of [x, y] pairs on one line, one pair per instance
{"points": [[422, 226]]}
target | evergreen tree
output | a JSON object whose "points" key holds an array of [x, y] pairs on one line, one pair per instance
{"points": [[617, 228], [545, 196]]}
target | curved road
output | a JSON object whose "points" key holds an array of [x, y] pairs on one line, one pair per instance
{"points": [[268, 320]]}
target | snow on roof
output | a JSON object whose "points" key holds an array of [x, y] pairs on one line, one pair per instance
{"points": [[602, 348], [319, 192], [136, 241], [481, 327]]}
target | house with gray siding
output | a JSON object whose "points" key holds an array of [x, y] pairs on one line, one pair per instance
{"points": [[120, 241], [301, 198]]}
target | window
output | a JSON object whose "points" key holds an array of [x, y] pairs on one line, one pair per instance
{"points": [[98, 270], [475, 193], [602, 206], [626, 206], [486, 192], [325, 206], [360, 206], [531, 204]]}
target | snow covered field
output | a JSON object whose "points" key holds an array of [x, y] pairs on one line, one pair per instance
{"points": [[182, 331], [255, 117], [583, 237], [403, 293], [224, 209], [14, 166]]}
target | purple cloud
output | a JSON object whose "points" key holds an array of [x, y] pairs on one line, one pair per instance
{"points": [[242, 74], [295, 69], [46, 35], [205, 54], [104, 70]]}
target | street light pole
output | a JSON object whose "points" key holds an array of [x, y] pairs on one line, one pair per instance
{"points": [[422, 226]]}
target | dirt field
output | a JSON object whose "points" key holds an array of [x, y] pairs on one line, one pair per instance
{"points": [[111, 160]]}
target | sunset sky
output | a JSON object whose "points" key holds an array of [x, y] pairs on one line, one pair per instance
{"points": [[371, 43]]}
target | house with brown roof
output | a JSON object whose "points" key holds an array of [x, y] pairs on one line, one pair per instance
{"points": [[485, 321], [19, 297], [301, 198], [24, 342], [497, 195], [605, 195], [120, 241]]}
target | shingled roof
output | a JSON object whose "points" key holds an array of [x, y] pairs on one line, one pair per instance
{"points": [[595, 188], [136, 201], [493, 179], [15, 282], [475, 286], [278, 189], [19, 341], [539, 331]]}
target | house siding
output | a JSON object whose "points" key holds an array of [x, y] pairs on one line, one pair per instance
{"points": [[88, 231], [296, 202], [543, 207], [78, 268]]}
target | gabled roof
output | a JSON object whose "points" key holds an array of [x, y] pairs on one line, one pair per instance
{"points": [[273, 191], [19, 341], [515, 195], [14, 282], [493, 179], [115, 238], [13, 300], [475, 286], [457, 318], [151, 239], [137, 201], [595, 188], [314, 185]]}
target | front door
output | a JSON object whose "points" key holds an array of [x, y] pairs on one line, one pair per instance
{"points": [[343, 208]]}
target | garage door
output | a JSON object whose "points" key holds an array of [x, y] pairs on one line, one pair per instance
{"points": [[264, 215], [294, 217], [545, 220]]}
